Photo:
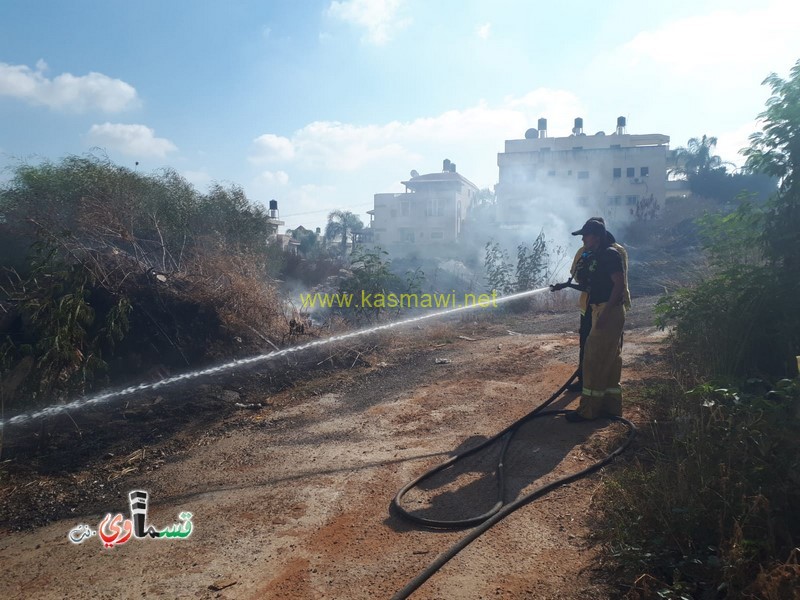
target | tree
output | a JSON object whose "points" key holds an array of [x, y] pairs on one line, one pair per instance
{"points": [[696, 158], [104, 270], [498, 269], [341, 225], [531, 268], [373, 277], [486, 196], [776, 151], [309, 241], [532, 263], [743, 319]]}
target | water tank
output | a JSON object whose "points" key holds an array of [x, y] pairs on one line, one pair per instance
{"points": [[452, 167], [531, 134], [273, 209], [621, 122], [446, 165]]}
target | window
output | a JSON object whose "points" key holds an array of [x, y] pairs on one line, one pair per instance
{"points": [[583, 174], [551, 173], [434, 208], [437, 235], [617, 173], [615, 200], [404, 208], [393, 213], [577, 147], [630, 172], [631, 200], [569, 172], [616, 146], [644, 171], [406, 234], [583, 201]]}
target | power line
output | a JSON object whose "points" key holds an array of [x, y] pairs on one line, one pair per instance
{"points": [[313, 212]]}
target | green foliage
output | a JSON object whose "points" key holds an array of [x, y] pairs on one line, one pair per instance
{"points": [[713, 503], [233, 218], [714, 498], [531, 270], [158, 218], [736, 322], [310, 246], [708, 176], [343, 224], [498, 269], [776, 151], [372, 276], [726, 187], [733, 240], [697, 157], [532, 264], [749, 303], [86, 244], [64, 325]]}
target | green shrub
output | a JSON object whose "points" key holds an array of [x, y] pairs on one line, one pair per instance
{"points": [[372, 275], [713, 498]]}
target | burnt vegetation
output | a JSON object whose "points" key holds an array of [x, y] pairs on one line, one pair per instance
{"points": [[109, 275]]}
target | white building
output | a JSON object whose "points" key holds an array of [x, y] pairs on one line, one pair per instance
{"points": [[430, 212], [605, 174]]}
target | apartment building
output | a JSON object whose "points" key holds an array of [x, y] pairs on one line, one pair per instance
{"points": [[430, 212], [602, 174]]}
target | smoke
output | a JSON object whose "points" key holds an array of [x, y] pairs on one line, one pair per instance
{"points": [[551, 207]]}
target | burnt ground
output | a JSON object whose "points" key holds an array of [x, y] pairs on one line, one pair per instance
{"points": [[290, 492]]}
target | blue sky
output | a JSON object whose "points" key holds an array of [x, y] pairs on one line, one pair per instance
{"points": [[321, 104]]}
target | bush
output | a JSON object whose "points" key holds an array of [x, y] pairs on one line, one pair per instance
{"points": [[710, 507], [714, 498], [113, 272], [742, 320], [371, 274]]}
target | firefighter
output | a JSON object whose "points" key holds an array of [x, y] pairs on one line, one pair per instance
{"points": [[600, 269], [583, 305]]}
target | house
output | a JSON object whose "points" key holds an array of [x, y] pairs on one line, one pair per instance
{"points": [[431, 212], [593, 174], [303, 240]]}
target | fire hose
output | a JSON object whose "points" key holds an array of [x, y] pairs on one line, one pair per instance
{"points": [[501, 509]]}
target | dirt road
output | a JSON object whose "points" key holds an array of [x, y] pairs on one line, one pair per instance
{"points": [[292, 500]]}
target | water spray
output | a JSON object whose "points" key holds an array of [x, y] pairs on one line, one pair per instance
{"points": [[243, 362]]}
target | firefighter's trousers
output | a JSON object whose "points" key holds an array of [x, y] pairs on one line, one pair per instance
{"points": [[602, 365]]}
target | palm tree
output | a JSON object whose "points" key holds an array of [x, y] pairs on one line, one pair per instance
{"points": [[341, 224], [696, 158]]}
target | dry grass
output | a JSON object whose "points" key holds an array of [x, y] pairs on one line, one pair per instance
{"points": [[236, 287]]}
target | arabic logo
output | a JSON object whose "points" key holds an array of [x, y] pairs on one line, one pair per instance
{"points": [[116, 530]]}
